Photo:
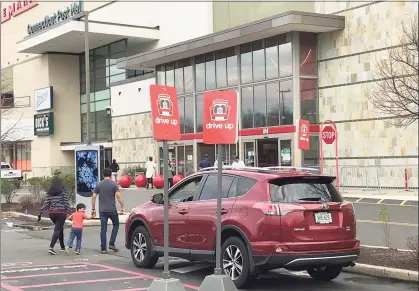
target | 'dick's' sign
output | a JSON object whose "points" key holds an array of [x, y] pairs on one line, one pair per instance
{"points": [[165, 112], [220, 122]]}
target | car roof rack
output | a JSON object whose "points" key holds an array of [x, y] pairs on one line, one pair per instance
{"points": [[263, 169], [303, 169]]}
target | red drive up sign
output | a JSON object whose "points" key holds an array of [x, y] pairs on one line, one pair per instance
{"points": [[220, 124], [303, 130], [165, 112]]}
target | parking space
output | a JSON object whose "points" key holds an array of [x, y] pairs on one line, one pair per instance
{"points": [[75, 276]]}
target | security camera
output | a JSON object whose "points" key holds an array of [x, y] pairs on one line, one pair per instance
{"points": [[108, 110]]}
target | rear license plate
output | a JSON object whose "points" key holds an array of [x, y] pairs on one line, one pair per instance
{"points": [[323, 217]]}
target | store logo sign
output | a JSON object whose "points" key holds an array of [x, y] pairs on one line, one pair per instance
{"points": [[43, 98], [16, 8], [44, 124], [59, 16]]}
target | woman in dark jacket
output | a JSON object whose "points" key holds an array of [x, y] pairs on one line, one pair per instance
{"points": [[58, 206]]}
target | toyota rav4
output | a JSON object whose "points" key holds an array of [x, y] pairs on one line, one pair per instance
{"points": [[272, 218]]}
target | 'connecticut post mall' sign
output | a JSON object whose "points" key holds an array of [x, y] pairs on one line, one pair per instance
{"points": [[59, 16]]}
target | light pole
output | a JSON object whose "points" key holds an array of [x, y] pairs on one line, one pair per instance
{"points": [[87, 69]]}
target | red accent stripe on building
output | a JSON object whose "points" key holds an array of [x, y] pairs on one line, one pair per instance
{"points": [[255, 131]]}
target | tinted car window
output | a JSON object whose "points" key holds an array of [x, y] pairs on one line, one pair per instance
{"points": [[304, 189], [210, 189], [186, 192], [244, 185], [233, 188]]}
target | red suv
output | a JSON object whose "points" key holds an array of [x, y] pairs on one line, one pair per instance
{"points": [[271, 218]]}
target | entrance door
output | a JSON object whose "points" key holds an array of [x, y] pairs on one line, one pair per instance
{"points": [[249, 153], [267, 152], [285, 150]]}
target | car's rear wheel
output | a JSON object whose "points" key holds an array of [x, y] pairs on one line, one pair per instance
{"points": [[325, 273], [235, 261], [142, 253]]}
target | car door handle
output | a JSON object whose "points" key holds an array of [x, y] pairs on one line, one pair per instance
{"points": [[224, 211], [183, 211]]}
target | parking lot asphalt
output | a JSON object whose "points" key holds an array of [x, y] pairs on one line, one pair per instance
{"points": [[25, 264]]}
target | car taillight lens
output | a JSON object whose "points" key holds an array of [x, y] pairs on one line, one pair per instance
{"points": [[269, 209], [348, 206]]}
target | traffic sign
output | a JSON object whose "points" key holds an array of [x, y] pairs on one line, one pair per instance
{"points": [[328, 134]]}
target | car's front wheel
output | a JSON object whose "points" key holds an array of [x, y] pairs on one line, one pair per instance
{"points": [[325, 273], [142, 253], [235, 261]]}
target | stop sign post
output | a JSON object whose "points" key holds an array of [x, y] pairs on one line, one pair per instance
{"points": [[329, 135]]}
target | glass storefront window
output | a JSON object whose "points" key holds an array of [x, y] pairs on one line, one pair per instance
{"points": [[209, 71], [287, 102], [308, 54], [221, 68], [285, 56], [170, 74], [161, 75], [258, 55], [271, 57], [199, 103], [246, 63], [179, 77], [189, 114], [308, 99], [259, 93], [312, 156], [181, 104], [272, 104], [200, 73], [231, 67], [188, 76], [247, 107]]}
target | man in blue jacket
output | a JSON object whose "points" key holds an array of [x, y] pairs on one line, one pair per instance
{"points": [[205, 163]]}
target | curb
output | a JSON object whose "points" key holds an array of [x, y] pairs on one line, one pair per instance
{"points": [[92, 222], [383, 272]]}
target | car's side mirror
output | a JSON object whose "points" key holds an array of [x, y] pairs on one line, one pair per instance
{"points": [[157, 198]]}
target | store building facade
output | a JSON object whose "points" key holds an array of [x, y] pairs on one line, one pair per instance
{"points": [[286, 60]]}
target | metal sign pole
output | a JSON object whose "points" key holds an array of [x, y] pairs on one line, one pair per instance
{"points": [[87, 66], [218, 270], [1, 101], [166, 272]]}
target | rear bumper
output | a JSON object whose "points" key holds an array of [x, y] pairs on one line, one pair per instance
{"points": [[293, 261]]}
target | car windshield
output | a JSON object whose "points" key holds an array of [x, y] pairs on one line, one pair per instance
{"points": [[304, 189]]}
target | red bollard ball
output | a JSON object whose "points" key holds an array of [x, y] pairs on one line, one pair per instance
{"points": [[158, 182], [125, 181], [140, 181], [177, 179]]}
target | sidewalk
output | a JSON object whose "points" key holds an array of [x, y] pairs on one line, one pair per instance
{"points": [[386, 194]]}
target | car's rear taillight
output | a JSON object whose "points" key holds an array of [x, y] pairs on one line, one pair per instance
{"points": [[270, 209], [348, 206]]}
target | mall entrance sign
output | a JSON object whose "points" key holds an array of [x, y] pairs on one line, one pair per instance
{"points": [[303, 132], [16, 8], [59, 16]]}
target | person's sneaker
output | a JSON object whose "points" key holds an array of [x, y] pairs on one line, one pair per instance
{"points": [[63, 249], [103, 251], [78, 252], [51, 251], [114, 248]]}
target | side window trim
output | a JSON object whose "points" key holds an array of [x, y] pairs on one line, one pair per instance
{"points": [[187, 181], [201, 186]]}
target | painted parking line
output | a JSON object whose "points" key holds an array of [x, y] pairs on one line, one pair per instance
{"points": [[50, 273], [390, 223], [389, 202]]}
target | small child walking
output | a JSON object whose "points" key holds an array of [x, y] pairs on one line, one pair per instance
{"points": [[77, 227]]}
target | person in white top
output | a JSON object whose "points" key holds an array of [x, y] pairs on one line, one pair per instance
{"points": [[237, 163], [149, 174]]}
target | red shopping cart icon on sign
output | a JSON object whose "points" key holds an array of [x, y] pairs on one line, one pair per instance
{"points": [[165, 105], [220, 111]]}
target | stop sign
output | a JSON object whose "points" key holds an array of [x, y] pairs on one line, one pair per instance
{"points": [[328, 134]]}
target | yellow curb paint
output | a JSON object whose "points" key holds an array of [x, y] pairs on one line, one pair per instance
{"points": [[391, 223], [379, 202], [401, 204]]}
